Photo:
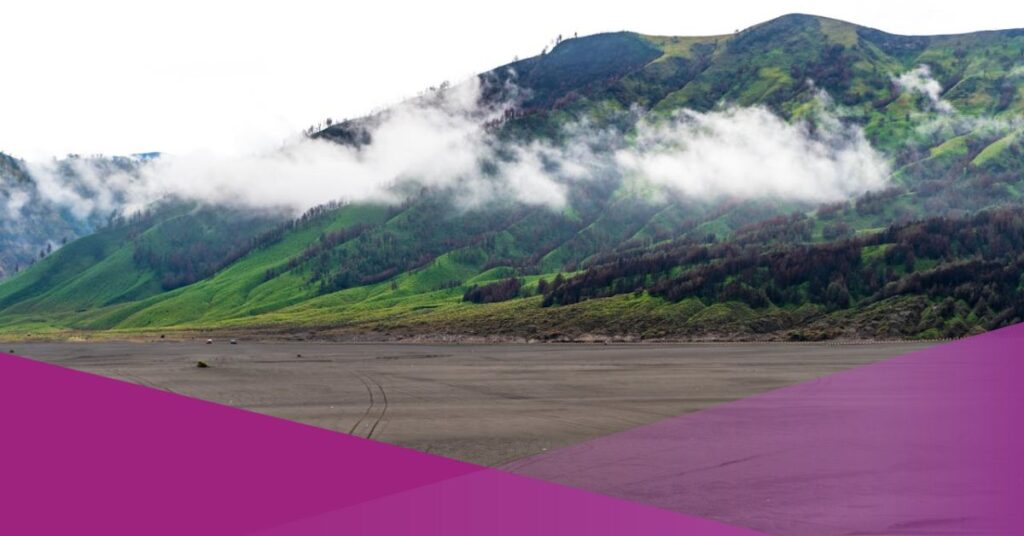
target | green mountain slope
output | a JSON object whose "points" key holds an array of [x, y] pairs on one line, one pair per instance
{"points": [[936, 254], [130, 260]]}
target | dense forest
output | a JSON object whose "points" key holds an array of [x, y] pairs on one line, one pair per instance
{"points": [[973, 267]]}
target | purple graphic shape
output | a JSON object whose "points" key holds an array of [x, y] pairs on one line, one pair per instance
{"points": [[926, 443], [493, 502], [82, 454]]}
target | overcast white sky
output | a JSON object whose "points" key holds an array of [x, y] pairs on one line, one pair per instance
{"points": [[117, 77]]}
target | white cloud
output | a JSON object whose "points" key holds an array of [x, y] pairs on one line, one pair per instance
{"points": [[752, 153], [920, 80], [16, 199], [439, 141], [951, 122]]}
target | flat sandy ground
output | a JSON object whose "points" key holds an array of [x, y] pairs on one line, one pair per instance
{"points": [[486, 404]]}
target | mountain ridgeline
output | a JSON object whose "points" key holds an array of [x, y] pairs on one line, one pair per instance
{"points": [[937, 251]]}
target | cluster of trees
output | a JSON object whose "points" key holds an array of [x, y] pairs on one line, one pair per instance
{"points": [[306, 220], [876, 202], [837, 230], [420, 232], [181, 266], [977, 260], [832, 70], [796, 227], [507, 115], [324, 243], [507, 235], [195, 244], [313, 129], [134, 222], [499, 291]]}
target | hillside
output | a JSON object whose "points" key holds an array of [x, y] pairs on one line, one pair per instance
{"points": [[936, 250], [31, 226]]}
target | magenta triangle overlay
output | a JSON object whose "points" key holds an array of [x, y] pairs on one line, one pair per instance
{"points": [[83, 454], [930, 442]]}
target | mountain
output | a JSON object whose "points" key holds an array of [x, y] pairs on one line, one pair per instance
{"points": [[31, 226], [937, 250]]}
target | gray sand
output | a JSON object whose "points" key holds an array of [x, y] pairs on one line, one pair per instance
{"points": [[486, 404]]}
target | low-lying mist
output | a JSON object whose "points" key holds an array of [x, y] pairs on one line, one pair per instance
{"points": [[753, 153], [448, 141], [946, 121]]}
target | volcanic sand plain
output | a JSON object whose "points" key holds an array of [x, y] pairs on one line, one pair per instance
{"points": [[482, 403]]}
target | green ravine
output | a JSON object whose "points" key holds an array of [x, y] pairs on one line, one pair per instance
{"points": [[940, 253]]}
